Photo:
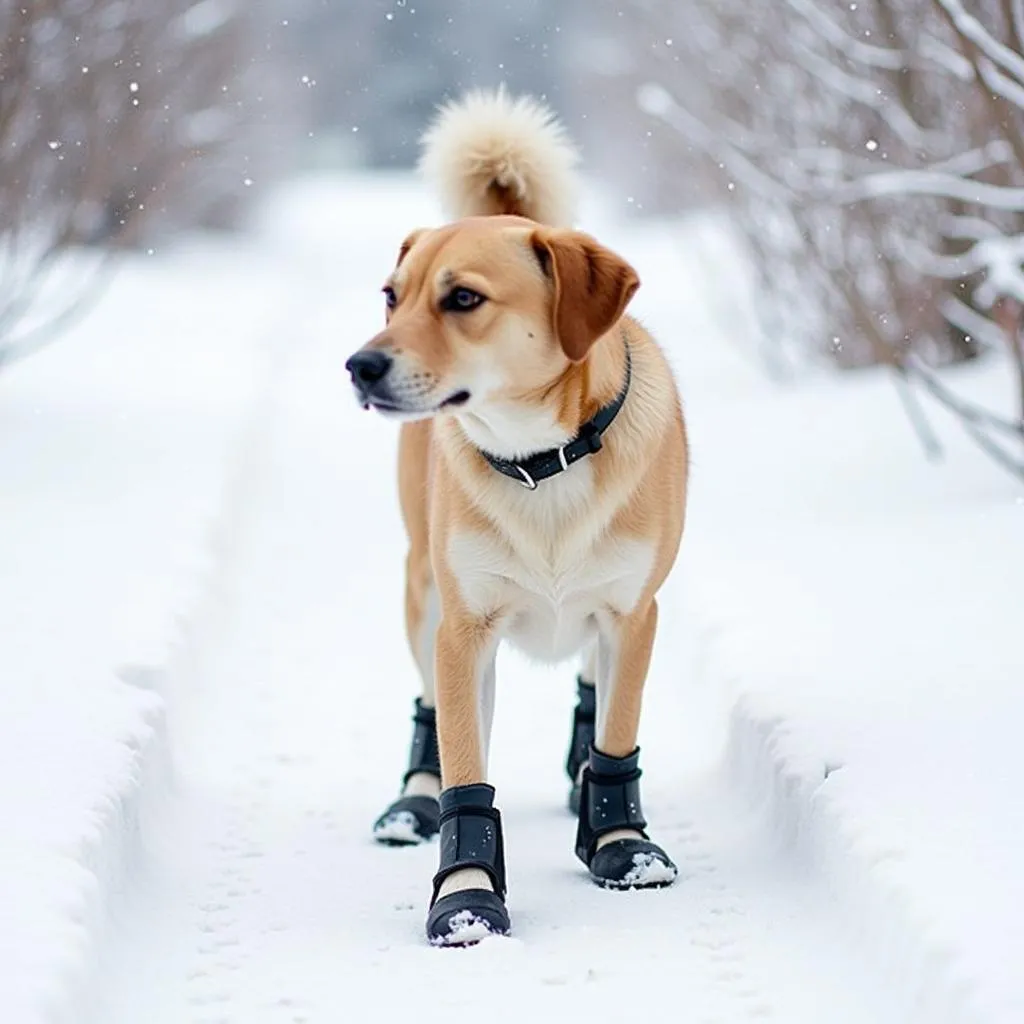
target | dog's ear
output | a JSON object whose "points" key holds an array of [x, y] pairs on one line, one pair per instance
{"points": [[409, 242], [592, 286]]}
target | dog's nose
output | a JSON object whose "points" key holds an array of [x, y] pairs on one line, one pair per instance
{"points": [[368, 368]]}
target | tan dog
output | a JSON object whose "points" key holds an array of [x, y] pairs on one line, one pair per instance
{"points": [[543, 488]]}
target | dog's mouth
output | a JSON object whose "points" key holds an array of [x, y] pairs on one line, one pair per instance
{"points": [[391, 409], [454, 401], [388, 406], [382, 405]]}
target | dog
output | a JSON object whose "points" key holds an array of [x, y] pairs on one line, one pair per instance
{"points": [[542, 479]]}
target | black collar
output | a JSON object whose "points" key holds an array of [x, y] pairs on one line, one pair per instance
{"points": [[541, 465]]}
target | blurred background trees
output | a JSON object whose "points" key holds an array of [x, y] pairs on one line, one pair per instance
{"points": [[120, 120], [124, 122], [382, 66], [870, 154]]}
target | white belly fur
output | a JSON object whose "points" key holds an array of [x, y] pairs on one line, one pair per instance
{"points": [[549, 606]]}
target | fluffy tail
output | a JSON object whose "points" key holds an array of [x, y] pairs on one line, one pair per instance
{"points": [[489, 153]]}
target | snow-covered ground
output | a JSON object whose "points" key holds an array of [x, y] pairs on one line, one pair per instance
{"points": [[862, 613], [118, 449], [206, 689]]}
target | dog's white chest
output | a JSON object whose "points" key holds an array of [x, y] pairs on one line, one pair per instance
{"points": [[549, 601]]}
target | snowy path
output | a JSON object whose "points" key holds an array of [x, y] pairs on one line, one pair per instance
{"points": [[265, 901]]}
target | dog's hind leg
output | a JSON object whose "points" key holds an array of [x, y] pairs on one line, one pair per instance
{"points": [[610, 838], [423, 614], [583, 723], [415, 815]]}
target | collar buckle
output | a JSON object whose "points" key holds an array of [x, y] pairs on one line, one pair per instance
{"points": [[527, 481]]}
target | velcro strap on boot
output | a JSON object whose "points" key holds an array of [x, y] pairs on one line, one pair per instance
{"points": [[471, 835], [424, 755], [609, 800]]}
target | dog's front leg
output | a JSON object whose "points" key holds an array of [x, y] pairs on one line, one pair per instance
{"points": [[625, 656], [469, 887], [464, 654], [611, 839]]}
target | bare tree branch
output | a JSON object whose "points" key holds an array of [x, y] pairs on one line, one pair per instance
{"points": [[99, 101]]}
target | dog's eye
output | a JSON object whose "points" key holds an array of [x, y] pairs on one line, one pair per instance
{"points": [[389, 296], [461, 300]]}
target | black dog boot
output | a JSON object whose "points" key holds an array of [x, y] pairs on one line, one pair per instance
{"points": [[581, 740], [610, 800], [414, 819], [470, 838]]}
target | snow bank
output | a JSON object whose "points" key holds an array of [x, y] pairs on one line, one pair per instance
{"points": [[859, 611], [116, 450]]}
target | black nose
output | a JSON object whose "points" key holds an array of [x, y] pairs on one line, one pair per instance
{"points": [[368, 367]]}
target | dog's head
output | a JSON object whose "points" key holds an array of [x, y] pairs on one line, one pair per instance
{"points": [[487, 309]]}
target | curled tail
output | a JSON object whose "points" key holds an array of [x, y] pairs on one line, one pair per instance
{"points": [[490, 153]]}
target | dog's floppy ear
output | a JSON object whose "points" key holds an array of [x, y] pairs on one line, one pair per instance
{"points": [[410, 240], [592, 286]]}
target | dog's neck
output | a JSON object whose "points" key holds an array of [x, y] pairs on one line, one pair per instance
{"points": [[522, 425]]}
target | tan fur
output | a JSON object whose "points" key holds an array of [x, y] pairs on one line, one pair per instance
{"points": [[633, 489], [574, 566]]}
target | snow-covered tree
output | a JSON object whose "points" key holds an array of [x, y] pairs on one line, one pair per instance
{"points": [[872, 154]]}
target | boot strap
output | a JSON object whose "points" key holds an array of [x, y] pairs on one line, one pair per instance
{"points": [[471, 835], [609, 800]]}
